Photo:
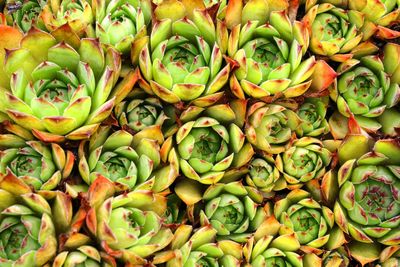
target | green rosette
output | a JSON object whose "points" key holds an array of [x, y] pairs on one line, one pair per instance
{"points": [[29, 224], [184, 59], [310, 221], [269, 55], [59, 91], [305, 160], [138, 114], [27, 165], [368, 204], [270, 127], [264, 175], [313, 117], [334, 32], [121, 23], [130, 161], [232, 209], [128, 227], [366, 87]]}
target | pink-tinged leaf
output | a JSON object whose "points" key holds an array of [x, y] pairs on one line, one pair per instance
{"points": [[9, 39], [322, 77]]}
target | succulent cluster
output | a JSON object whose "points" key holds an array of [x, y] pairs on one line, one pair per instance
{"points": [[179, 133]]}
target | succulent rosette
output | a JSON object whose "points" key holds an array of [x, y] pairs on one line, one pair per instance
{"points": [[24, 14], [128, 226], [129, 161], [305, 160], [28, 227], [368, 204], [83, 256], [233, 210], [184, 60], [365, 89], [313, 117], [77, 14], [120, 23], [270, 127], [334, 31], [138, 114], [32, 164], [199, 248], [269, 55], [56, 96], [311, 222], [207, 148], [272, 245], [27, 236], [210, 143], [264, 175]]}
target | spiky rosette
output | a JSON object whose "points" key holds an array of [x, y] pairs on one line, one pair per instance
{"points": [[120, 23], [28, 164], [184, 60], [128, 226], [129, 161], [313, 117], [233, 210], [264, 175], [211, 144], [368, 203], [140, 113], [365, 88], [206, 148], [310, 221], [269, 55], [335, 32], [28, 227], [305, 160], [56, 96], [270, 127]]}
